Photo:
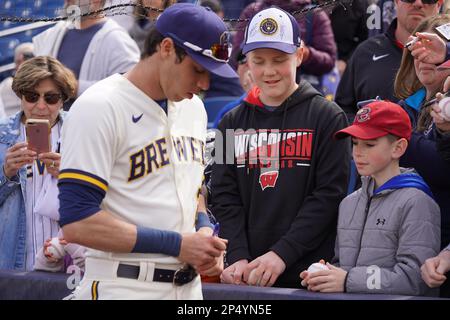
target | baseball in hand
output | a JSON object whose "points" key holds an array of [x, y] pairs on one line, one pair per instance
{"points": [[317, 267], [252, 278], [444, 104], [56, 249]]}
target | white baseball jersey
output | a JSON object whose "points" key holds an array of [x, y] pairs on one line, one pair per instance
{"points": [[115, 138]]}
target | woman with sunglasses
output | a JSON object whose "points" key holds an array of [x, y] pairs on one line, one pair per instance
{"points": [[28, 191]]}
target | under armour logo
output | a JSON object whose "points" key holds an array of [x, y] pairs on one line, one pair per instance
{"points": [[381, 221]]}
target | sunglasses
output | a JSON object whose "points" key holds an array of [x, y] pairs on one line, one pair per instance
{"points": [[423, 1], [49, 98], [219, 51]]}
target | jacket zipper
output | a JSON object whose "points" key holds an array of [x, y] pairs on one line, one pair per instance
{"points": [[366, 212]]}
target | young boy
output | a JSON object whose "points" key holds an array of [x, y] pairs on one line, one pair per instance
{"points": [[278, 195], [391, 225]]}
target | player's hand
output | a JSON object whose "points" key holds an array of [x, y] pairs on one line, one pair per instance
{"points": [[207, 231], [198, 249], [212, 269], [429, 49], [233, 274], [264, 270], [433, 269], [16, 157], [327, 280], [215, 267], [52, 161]]}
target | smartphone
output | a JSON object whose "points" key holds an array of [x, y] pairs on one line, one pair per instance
{"points": [[38, 135]]}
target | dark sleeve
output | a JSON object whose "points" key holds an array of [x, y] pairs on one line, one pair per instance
{"points": [[77, 202], [443, 146], [345, 94], [323, 49], [361, 29], [422, 155], [319, 211], [349, 25], [447, 55], [227, 204]]}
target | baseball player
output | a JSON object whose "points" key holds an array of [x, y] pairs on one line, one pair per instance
{"points": [[133, 166]]}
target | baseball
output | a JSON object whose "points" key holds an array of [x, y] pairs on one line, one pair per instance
{"points": [[252, 278], [444, 104], [317, 267], [56, 249]]}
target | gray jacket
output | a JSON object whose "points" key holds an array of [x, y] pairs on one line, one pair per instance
{"points": [[384, 238]]}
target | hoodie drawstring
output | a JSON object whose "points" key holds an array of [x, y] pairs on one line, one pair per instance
{"points": [[283, 122], [252, 117]]}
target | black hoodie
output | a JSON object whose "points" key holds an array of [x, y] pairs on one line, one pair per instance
{"points": [[292, 208]]}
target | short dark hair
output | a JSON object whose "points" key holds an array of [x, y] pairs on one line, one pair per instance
{"points": [[153, 40]]}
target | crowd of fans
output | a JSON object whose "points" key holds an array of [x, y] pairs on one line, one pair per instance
{"points": [[335, 69]]}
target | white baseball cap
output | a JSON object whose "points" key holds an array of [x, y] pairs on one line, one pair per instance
{"points": [[272, 28]]}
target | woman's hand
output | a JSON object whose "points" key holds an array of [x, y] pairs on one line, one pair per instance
{"points": [[430, 48], [16, 157], [52, 161]]}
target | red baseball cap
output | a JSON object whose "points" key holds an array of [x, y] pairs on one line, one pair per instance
{"points": [[378, 119]]}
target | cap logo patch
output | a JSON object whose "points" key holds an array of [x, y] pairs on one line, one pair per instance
{"points": [[268, 26], [363, 115]]}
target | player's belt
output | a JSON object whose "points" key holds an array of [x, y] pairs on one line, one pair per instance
{"points": [[177, 277]]}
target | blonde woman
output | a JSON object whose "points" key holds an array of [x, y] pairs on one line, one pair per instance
{"points": [[28, 193]]}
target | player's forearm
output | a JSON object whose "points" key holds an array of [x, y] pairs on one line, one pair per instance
{"points": [[102, 231]]}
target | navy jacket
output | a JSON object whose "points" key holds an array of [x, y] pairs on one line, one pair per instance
{"points": [[423, 156]]}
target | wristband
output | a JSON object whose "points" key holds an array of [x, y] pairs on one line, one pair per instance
{"points": [[202, 221], [149, 240]]}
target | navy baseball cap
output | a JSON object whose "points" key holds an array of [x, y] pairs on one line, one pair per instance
{"points": [[272, 28], [200, 32]]}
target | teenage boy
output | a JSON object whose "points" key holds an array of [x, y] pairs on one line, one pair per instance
{"points": [[391, 225], [277, 201]]}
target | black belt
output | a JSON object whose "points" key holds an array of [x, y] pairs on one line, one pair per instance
{"points": [[177, 277]]}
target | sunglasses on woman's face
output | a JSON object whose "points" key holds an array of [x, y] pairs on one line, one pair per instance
{"points": [[423, 1], [49, 98]]}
